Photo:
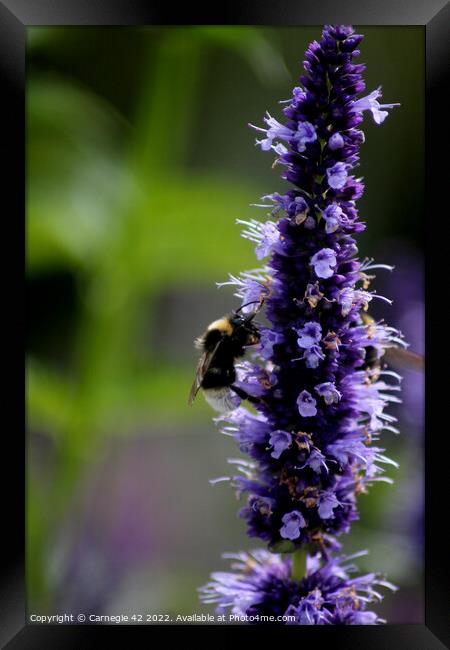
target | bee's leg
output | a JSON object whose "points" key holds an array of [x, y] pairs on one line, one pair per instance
{"points": [[243, 395]]}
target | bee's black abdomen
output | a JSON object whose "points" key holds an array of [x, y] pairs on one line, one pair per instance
{"points": [[218, 377], [211, 338], [371, 359], [372, 364]]}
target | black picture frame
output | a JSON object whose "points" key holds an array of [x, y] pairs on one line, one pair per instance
{"points": [[15, 17]]}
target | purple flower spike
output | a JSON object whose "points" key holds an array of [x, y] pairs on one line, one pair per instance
{"points": [[306, 404], [330, 593], [324, 263], [293, 521], [311, 446]]}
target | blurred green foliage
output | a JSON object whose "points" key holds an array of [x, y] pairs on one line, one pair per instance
{"points": [[109, 200], [138, 162]]}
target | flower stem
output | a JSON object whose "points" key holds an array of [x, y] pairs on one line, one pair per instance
{"points": [[299, 564]]}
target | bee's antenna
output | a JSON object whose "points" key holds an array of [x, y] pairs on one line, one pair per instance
{"points": [[259, 302], [253, 302]]}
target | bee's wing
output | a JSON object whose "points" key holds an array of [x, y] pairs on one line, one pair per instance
{"points": [[203, 364], [396, 356], [401, 358]]}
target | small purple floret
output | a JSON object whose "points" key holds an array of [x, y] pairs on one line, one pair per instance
{"points": [[270, 237], [329, 392], [337, 175], [336, 141], [293, 522], [324, 263], [333, 217], [327, 503], [280, 441], [306, 404], [370, 103], [309, 335], [313, 356], [306, 133]]}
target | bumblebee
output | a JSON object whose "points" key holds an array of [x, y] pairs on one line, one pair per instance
{"points": [[395, 357], [224, 341]]}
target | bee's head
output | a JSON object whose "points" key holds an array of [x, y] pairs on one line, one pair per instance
{"points": [[243, 326]]}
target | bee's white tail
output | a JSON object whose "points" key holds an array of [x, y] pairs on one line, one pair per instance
{"points": [[221, 399]]}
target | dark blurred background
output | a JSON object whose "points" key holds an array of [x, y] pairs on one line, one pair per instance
{"points": [[139, 160]]}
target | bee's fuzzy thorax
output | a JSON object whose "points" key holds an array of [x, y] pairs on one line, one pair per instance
{"points": [[223, 325]]}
